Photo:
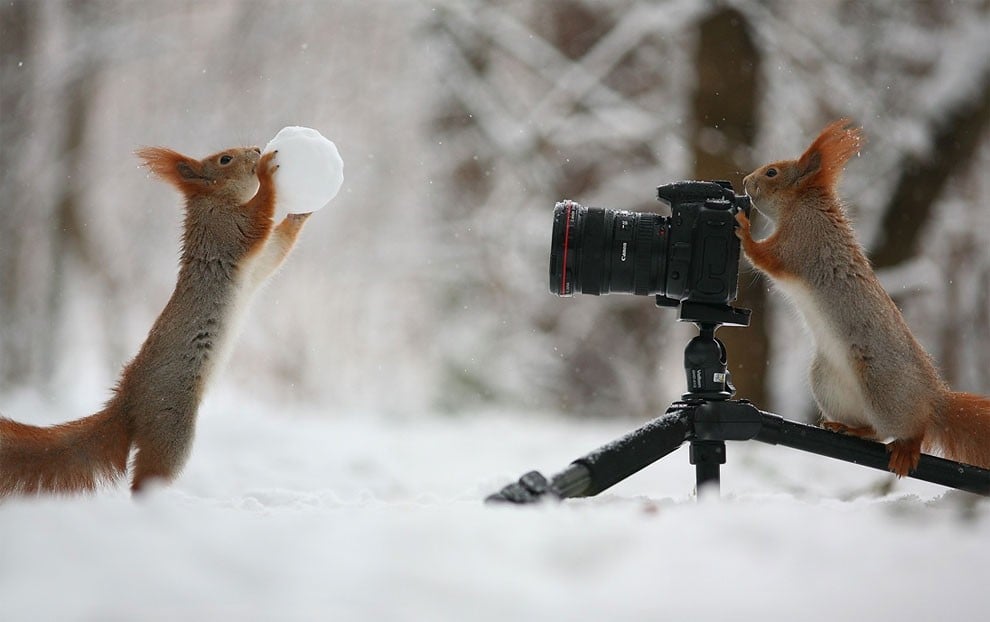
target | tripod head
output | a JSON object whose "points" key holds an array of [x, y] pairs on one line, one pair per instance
{"points": [[705, 359]]}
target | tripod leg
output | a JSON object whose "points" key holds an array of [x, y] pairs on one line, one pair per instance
{"points": [[776, 430], [608, 465], [707, 457]]}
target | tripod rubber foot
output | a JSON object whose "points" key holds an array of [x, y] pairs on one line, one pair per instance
{"points": [[532, 487]]}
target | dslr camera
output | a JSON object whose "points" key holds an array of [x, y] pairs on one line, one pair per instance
{"points": [[691, 256]]}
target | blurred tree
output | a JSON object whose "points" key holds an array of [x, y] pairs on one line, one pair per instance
{"points": [[954, 135], [462, 122], [727, 62], [70, 244], [19, 343], [565, 99], [554, 100], [44, 229], [915, 75]]}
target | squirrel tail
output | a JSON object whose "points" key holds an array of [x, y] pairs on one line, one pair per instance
{"points": [[69, 457], [962, 429]]}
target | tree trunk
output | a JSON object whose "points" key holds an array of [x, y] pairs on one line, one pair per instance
{"points": [[724, 129], [955, 139], [17, 32]]}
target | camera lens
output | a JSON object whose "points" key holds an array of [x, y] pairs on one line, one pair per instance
{"points": [[598, 251]]}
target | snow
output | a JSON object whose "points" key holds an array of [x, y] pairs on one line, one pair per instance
{"points": [[310, 169], [339, 511], [290, 513]]}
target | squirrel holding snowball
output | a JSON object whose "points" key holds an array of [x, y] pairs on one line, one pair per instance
{"points": [[870, 376], [230, 245]]}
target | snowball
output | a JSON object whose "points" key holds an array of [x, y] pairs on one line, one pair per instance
{"points": [[310, 170]]}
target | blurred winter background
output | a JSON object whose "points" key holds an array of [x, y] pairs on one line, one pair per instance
{"points": [[411, 335]]}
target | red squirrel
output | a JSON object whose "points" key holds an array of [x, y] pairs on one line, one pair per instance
{"points": [[229, 246], [869, 376]]}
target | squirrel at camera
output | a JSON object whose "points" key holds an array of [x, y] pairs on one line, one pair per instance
{"points": [[230, 244], [869, 375]]}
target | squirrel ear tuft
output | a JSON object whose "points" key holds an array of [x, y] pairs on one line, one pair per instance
{"points": [[822, 163], [181, 171]]}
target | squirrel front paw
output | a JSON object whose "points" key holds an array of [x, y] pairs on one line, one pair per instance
{"points": [[743, 232], [267, 165]]}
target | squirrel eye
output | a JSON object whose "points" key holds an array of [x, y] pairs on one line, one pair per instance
{"points": [[225, 159], [771, 172]]}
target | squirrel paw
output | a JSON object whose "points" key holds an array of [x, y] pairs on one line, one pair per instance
{"points": [[266, 164], [862, 431], [743, 231], [905, 453]]}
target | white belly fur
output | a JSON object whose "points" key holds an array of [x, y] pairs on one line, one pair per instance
{"points": [[246, 285], [841, 398]]}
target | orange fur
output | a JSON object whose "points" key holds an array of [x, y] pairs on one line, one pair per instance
{"points": [[262, 206], [905, 453], [761, 253], [828, 154], [863, 431], [74, 456], [961, 429], [171, 166]]}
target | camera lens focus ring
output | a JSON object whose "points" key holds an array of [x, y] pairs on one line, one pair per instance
{"points": [[592, 260], [644, 283]]}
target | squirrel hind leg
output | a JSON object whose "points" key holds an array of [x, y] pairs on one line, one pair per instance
{"points": [[865, 431], [905, 453], [145, 478], [152, 468]]}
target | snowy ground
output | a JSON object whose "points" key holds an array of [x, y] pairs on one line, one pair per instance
{"points": [[308, 517]]}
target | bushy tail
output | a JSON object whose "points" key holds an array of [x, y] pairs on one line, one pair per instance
{"points": [[962, 429], [69, 457]]}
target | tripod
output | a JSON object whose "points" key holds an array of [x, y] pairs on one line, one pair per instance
{"points": [[706, 417]]}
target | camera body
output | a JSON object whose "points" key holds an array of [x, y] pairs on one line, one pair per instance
{"points": [[690, 256]]}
